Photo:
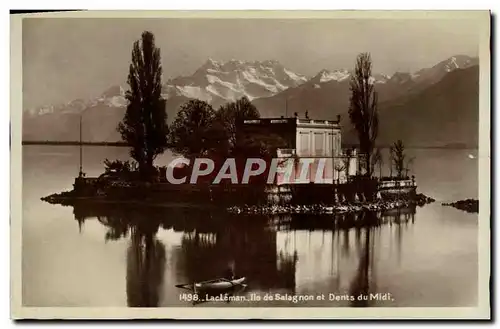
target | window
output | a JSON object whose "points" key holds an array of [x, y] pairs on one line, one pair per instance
{"points": [[319, 148], [330, 144], [304, 143], [338, 149]]}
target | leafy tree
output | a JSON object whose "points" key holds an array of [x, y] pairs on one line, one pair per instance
{"points": [[409, 162], [363, 111], [144, 126], [398, 157], [260, 145], [391, 161], [257, 145], [118, 166], [230, 114], [195, 132]]}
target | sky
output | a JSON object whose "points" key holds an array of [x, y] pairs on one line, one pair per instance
{"points": [[70, 58]]}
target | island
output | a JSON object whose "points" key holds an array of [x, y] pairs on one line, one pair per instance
{"points": [[467, 205]]}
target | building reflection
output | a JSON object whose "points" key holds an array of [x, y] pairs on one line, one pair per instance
{"points": [[245, 243], [343, 255], [212, 240]]}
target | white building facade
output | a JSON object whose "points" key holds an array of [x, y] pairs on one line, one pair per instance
{"points": [[315, 145]]}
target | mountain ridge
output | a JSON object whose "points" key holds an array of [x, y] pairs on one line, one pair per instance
{"points": [[323, 95]]}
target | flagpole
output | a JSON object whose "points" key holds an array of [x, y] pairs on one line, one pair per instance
{"points": [[80, 174]]}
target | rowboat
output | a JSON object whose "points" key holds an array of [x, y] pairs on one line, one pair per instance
{"points": [[218, 284]]}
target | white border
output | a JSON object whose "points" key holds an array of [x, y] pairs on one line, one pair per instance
{"points": [[256, 4]]}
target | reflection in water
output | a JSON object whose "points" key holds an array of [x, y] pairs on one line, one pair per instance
{"points": [[431, 264], [248, 243], [210, 240], [364, 281], [145, 268], [360, 285], [146, 255]]}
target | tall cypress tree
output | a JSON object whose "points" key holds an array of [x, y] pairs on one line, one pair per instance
{"points": [[144, 126], [363, 108]]}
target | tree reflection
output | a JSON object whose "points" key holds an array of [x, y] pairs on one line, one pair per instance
{"points": [[360, 285], [363, 282], [211, 240], [145, 269], [146, 255]]}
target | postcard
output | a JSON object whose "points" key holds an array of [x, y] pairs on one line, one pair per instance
{"points": [[250, 165]]}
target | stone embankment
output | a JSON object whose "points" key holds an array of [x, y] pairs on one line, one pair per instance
{"points": [[380, 205]]}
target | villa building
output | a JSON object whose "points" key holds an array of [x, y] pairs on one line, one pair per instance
{"points": [[312, 141]]}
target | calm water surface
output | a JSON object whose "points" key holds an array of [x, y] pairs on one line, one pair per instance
{"points": [[126, 256]]}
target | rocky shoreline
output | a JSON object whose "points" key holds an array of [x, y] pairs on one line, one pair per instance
{"points": [[380, 205], [467, 205], [70, 197], [421, 199]]}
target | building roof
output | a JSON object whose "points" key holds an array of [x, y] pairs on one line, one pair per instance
{"points": [[298, 122]]}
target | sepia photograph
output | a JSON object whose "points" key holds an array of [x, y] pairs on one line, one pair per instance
{"points": [[251, 164]]}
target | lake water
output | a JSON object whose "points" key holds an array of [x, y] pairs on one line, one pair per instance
{"points": [[94, 257]]}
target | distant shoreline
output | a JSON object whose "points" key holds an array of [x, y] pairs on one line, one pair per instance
{"points": [[123, 144], [75, 143]]}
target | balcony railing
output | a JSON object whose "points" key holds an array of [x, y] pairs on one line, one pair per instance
{"points": [[344, 154], [318, 122], [396, 184], [286, 152]]}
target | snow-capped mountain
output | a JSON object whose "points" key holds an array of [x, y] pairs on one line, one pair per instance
{"points": [[432, 74], [437, 72], [234, 79], [214, 82], [112, 97], [343, 75], [267, 83], [326, 75], [327, 93], [74, 106], [100, 116]]}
